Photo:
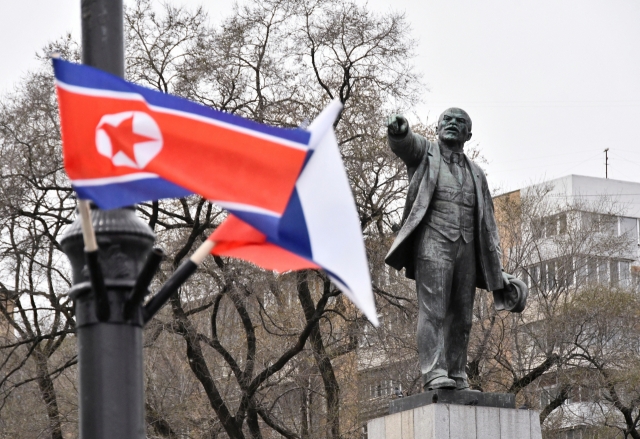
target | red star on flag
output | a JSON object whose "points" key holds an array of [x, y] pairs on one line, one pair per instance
{"points": [[123, 138]]}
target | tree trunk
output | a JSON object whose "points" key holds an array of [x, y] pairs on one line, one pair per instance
{"points": [[304, 413], [331, 386], [48, 393]]}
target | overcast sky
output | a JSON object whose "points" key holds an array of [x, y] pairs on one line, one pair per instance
{"points": [[549, 84]]}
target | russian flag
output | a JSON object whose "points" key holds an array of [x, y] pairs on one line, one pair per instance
{"points": [[124, 144], [319, 228]]}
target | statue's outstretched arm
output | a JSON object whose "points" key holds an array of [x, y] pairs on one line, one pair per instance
{"points": [[403, 142]]}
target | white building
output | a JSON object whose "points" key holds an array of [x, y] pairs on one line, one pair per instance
{"points": [[599, 206], [575, 231]]}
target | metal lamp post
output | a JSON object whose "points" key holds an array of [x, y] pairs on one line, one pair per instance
{"points": [[109, 322]]}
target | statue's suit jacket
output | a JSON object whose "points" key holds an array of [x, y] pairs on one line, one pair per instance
{"points": [[422, 158]]}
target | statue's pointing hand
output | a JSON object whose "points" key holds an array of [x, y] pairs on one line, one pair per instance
{"points": [[397, 125]]}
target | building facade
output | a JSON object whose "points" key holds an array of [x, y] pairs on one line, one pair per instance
{"points": [[575, 241]]}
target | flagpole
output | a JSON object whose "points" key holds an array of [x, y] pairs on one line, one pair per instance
{"points": [[177, 279], [88, 233], [202, 252], [96, 276]]}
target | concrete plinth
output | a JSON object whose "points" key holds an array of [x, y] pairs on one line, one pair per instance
{"points": [[443, 396], [452, 421]]}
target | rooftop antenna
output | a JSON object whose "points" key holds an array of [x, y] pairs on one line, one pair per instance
{"points": [[606, 163]]}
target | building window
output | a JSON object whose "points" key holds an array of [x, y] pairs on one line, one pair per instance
{"points": [[603, 272], [625, 273], [563, 280], [562, 223], [592, 271], [574, 434], [588, 221], [609, 224], [597, 222], [614, 274], [535, 276], [551, 273], [629, 228], [537, 228], [581, 270], [565, 272], [550, 226], [547, 395]]}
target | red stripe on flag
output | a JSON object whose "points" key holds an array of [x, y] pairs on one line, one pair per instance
{"points": [[237, 239], [196, 155]]}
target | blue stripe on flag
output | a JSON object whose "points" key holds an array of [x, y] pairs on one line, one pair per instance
{"points": [[266, 224], [337, 279], [292, 231], [113, 195], [89, 77]]}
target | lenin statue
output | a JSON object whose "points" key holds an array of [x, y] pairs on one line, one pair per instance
{"points": [[448, 243]]}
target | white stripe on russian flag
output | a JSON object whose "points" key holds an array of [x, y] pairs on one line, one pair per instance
{"points": [[331, 216]]}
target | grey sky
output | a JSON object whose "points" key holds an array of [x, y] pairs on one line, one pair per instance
{"points": [[549, 84]]}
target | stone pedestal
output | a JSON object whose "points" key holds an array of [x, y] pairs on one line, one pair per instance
{"points": [[443, 396], [453, 421]]}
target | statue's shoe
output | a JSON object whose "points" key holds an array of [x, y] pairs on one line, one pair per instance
{"points": [[440, 383], [463, 385]]}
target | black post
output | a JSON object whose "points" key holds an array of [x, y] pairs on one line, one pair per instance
{"points": [[110, 364], [110, 368], [103, 35]]}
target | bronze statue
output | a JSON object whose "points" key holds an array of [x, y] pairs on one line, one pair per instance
{"points": [[448, 243]]}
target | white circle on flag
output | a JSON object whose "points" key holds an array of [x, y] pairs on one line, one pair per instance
{"points": [[142, 125]]}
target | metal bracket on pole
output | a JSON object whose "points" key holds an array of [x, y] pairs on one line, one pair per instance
{"points": [[140, 289], [179, 277]]}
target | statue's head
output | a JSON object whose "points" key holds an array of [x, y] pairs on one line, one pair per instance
{"points": [[454, 126]]}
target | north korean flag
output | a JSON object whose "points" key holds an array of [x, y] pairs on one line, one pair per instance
{"points": [[124, 144]]}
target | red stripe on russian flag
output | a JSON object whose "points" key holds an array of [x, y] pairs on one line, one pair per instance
{"points": [[237, 239]]}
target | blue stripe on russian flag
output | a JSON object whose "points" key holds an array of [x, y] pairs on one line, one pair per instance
{"points": [[80, 75], [266, 224], [112, 195], [292, 231], [288, 231]]}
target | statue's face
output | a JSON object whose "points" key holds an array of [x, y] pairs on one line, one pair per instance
{"points": [[454, 126]]}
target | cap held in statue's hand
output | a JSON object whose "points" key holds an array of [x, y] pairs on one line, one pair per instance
{"points": [[513, 297]]}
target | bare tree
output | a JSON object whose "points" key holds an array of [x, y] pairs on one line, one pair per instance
{"points": [[240, 351], [35, 204]]}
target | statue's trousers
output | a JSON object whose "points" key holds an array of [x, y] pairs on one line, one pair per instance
{"points": [[445, 283]]}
